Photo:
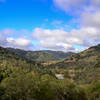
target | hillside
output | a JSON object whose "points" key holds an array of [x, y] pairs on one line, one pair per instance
{"points": [[10, 62], [42, 56], [9, 57], [84, 66]]}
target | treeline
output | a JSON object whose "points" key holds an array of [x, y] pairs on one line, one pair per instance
{"points": [[41, 56], [22, 84]]}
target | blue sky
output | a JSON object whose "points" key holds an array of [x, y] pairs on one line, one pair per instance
{"points": [[28, 14], [49, 24]]}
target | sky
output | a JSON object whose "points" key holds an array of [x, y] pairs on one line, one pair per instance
{"points": [[61, 25]]}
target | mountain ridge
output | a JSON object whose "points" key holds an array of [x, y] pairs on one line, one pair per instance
{"points": [[42, 55]]}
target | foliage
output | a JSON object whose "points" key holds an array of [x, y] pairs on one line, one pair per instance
{"points": [[10, 62], [29, 86], [42, 56]]}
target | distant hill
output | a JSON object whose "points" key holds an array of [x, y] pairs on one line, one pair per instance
{"points": [[42, 56], [85, 66], [12, 59]]}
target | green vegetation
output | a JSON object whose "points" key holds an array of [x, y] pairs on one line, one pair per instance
{"points": [[42, 56], [22, 78], [84, 67], [10, 62], [23, 85]]}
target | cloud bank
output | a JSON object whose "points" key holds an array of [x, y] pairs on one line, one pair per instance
{"points": [[62, 40], [7, 39]]}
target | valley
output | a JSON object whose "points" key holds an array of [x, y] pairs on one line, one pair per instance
{"points": [[71, 76]]}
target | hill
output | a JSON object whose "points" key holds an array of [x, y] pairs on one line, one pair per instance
{"points": [[10, 62], [82, 67], [41, 56]]}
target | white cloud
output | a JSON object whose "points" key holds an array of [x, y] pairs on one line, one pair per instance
{"points": [[85, 33], [86, 10], [77, 5], [70, 5], [19, 42], [88, 36], [62, 40], [91, 19], [56, 39], [7, 39], [51, 39]]}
